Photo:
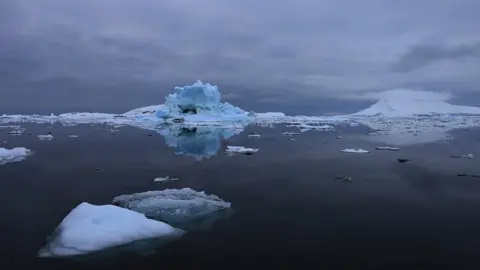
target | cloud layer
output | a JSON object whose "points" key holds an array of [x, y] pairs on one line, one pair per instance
{"points": [[267, 50]]}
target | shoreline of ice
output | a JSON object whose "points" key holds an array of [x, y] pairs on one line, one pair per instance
{"points": [[392, 120]]}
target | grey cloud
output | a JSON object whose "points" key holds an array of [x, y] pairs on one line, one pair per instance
{"points": [[290, 50], [420, 56]]}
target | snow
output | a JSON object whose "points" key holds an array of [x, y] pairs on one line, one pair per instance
{"points": [[89, 228], [241, 150], [184, 208], [14, 155], [356, 151], [47, 137]]}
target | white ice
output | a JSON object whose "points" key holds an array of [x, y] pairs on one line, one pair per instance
{"points": [[184, 208], [47, 137], [356, 151], [14, 155], [400, 117], [241, 150], [164, 179], [89, 228]]}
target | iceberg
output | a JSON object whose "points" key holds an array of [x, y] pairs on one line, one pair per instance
{"points": [[183, 208], [92, 228], [14, 155], [355, 151]]}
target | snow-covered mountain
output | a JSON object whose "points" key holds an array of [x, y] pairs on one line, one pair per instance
{"points": [[405, 103]]}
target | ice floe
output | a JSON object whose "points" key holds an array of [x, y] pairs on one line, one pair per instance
{"points": [[183, 208], [241, 150], [356, 151], [89, 228], [14, 155], [47, 137], [160, 179]]}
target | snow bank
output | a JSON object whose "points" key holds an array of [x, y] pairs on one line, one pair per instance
{"points": [[405, 103], [14, 155], [184, 208], [89, 228]]}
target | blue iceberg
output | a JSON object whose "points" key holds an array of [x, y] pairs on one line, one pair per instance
{"points": [[198, 102]]}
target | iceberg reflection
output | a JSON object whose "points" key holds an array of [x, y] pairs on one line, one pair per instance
{"points": [[199, 142]]}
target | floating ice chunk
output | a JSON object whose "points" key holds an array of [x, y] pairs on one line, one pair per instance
{"points": [[165, 179], [290, 133], [241, 150], [256, 136], [47, 137], [73, 136], [469, 156], [387, 148], [357, 151], [183, 208], [16, 132], [14, 155], [89, 228]]}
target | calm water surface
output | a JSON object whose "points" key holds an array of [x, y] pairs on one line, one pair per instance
{"points": [[289, 212]]}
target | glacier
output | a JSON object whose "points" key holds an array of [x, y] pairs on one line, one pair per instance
{"points": [[193, 119], [92, 228], [183, 208]]}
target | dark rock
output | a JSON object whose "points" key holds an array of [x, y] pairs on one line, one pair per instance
{"points": [[403, 160]]}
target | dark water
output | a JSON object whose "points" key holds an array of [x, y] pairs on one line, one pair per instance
{"points": [[289, 212]]}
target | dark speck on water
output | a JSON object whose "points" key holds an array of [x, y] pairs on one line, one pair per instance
{"points": [[287, 211]]}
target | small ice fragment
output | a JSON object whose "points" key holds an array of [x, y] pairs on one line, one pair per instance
{"points": [[254, 136], [73, 136], [47, 137], [241, 150], [164, 179], [16, 132], [88, 228], [290, 133], [387, 148], [339, 137], [14, 155], [357, 151], [469, 156]]}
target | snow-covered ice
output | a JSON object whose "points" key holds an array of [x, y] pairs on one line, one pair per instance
{"points": [[400, 117], [89, 228], [183, 208], [290, 133], [241, 150], [14, 155], [47, 137], [356, 151]]}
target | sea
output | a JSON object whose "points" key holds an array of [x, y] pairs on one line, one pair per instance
{"points": [[291, 208]]}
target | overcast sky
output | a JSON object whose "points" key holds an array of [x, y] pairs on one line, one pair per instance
{"points": [[288, 53]]}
